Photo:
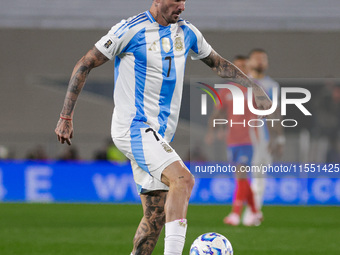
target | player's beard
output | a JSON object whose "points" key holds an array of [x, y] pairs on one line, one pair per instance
{"points": [[170, 18]]}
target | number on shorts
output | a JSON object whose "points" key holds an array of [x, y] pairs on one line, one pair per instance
{"points": [[154, 133]]}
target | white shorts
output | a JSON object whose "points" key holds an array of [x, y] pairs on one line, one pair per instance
{"points": [[149, 154]]}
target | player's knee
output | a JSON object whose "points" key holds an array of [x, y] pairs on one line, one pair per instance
{"points": [[191, 182], [185, 181]]}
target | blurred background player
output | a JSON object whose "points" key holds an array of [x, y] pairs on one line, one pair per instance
{"points": [[268, 141], [239, 149]]}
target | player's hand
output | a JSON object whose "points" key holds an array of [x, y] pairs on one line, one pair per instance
{"points": [[261, 99], [64, 131]]}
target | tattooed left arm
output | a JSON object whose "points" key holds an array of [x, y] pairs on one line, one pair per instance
{"points": [[226, 69]]}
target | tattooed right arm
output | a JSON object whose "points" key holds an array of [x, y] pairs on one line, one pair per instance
{"points": [[93, 58]]}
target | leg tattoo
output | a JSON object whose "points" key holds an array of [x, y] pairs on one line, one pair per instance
{"points": [[151, 224]]}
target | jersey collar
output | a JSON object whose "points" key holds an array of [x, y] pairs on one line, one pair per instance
{"points": [[150, 17]]}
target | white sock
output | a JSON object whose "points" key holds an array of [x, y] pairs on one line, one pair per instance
{"points": [[258, 186], [175, 232]]}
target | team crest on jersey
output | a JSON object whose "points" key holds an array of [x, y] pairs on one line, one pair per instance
{"points": [[179, 44], [166, 44], [166, 147]]}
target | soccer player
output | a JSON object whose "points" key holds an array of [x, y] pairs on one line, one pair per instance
{"points": [[150, 52], [269, 141], [239, 147]]}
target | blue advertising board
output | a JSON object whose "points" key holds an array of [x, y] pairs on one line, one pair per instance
{"points": [[102, 182]]}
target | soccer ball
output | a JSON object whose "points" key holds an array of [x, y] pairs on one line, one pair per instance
{"points": [[212, 244]]}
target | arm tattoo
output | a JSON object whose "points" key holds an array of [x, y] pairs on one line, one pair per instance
{"points": [[151, 224], [226, 69], [92, 59], [261, 97]]}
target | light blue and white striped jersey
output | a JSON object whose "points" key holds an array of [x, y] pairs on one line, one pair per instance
{"points": [[149, 70]]}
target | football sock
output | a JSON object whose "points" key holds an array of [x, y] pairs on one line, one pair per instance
{"points": [[241, 195], [258, 186], [175, 232], [250, 199]]}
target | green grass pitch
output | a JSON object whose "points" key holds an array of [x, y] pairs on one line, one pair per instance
{"points": [[72, 229]]}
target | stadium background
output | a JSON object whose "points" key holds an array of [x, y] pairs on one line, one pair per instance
{"points": [[42, 40]]}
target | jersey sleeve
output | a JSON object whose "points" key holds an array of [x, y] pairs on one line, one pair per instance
{"points": [[114, 41], [200, 48]]}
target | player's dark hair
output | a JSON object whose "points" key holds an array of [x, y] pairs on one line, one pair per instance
{"points": [[257, 50], [240, 57]]}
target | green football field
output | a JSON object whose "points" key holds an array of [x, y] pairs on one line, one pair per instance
{"points": [[72, 229]]}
